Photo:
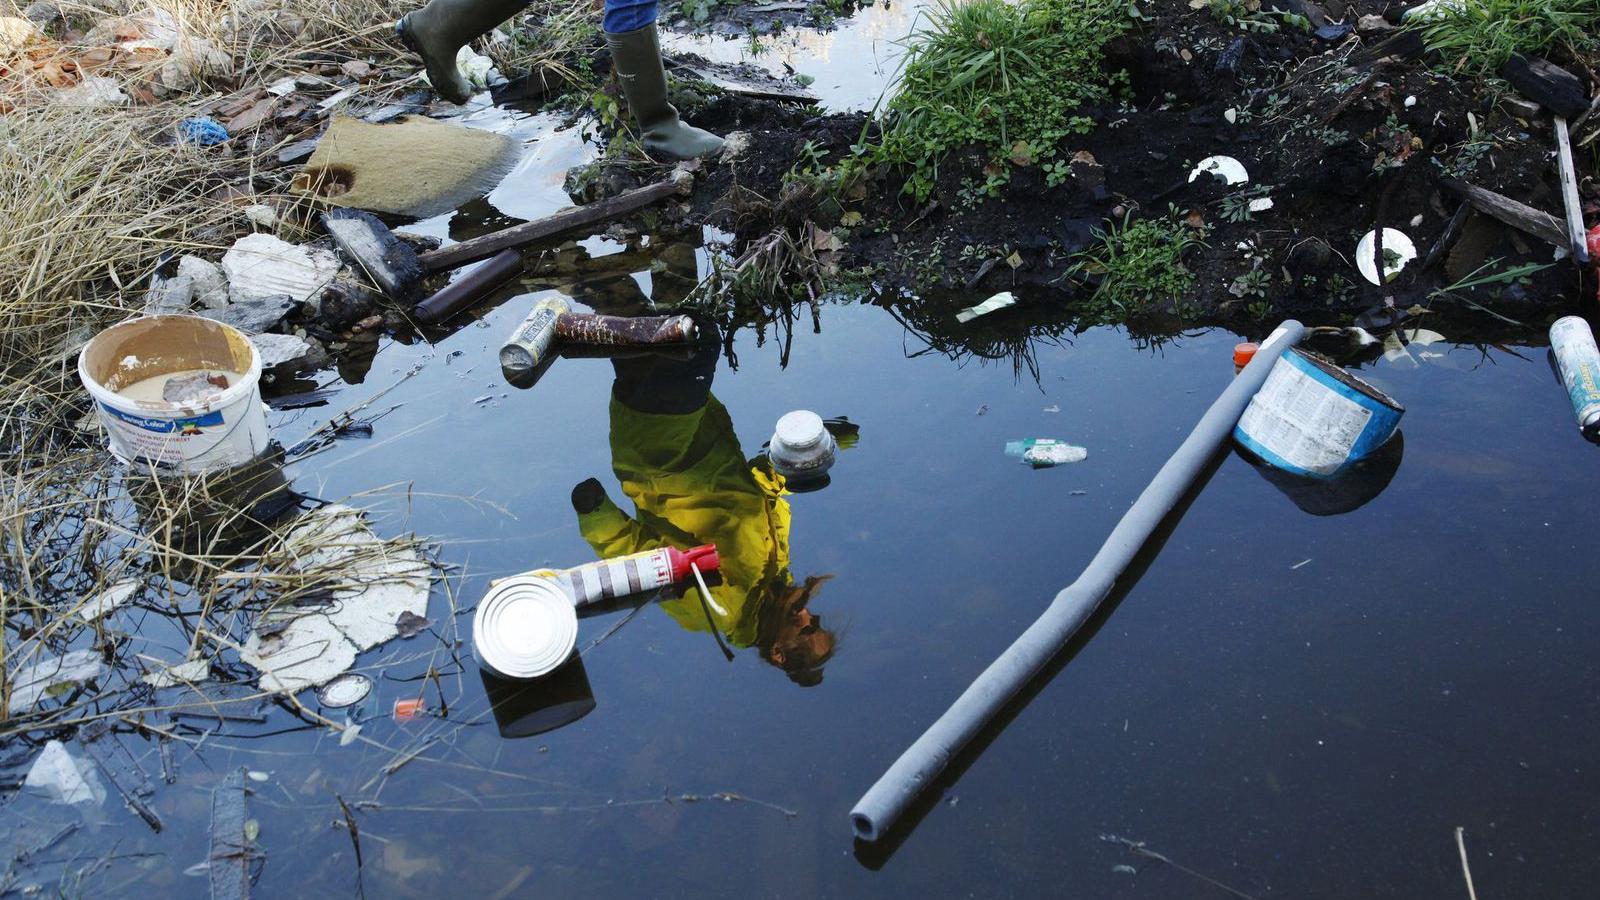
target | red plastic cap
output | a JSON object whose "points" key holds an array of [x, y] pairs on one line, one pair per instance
{"points": [[703, 557], [1594, 246], [1243, 353]]}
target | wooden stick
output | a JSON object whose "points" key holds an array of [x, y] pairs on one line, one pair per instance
{"points": [[1520, 216], [566, 220], [1569, 194]]}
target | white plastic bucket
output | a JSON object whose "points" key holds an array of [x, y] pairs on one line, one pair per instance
{"points": [[227, 429]]}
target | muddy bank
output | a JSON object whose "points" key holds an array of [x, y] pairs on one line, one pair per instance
{"points": [[1343, 131]]}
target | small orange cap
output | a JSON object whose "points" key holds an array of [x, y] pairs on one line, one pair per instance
{"points": [[1242, 353], [408, 709]]}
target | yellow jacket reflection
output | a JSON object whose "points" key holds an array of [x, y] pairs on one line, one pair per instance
{"points": [[691, 485]]}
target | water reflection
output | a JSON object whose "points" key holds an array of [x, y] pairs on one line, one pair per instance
{"points": [[526, 708], [1349, 491], [677, 457]]}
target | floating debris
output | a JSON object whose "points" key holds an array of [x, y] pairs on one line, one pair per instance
{"points": [[998, 301], [34, 683], [190, 672], [346, 690], [375, 581], [108, 599], [57, 776]]}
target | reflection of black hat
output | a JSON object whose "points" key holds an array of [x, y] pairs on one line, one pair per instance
{"points": [[526, 708], [1346, 492]]}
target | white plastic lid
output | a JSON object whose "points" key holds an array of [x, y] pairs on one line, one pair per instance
{"points": [[525, 627], [346, 690], [800, 430]]}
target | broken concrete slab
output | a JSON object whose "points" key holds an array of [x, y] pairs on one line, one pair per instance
{"points": [[254, 315], [280, 349]]}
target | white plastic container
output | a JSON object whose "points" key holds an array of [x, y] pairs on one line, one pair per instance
{"points": [[223, 430], [801, 448]]}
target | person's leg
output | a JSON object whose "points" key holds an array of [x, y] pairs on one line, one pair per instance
{"points": [[630, 27], [438, 31]]}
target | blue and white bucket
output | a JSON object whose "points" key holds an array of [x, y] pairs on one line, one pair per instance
{"points": [[1314, 419], [224, 430]]}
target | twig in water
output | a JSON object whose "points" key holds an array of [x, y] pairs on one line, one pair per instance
{"points": [[354, 829], [1139, 849], [1466, 871]]}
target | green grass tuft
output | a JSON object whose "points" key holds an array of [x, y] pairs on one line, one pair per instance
{"points": [[996, 73], [1140, 266], [1476, 37]]}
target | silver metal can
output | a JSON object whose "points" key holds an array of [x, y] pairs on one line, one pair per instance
{"points": [[1578, 361], [530, 343]]}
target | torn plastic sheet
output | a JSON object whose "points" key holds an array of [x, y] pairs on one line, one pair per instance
{"points": [[378, 584], [108, 599], [61, 778], [998, 301], [194, 670], [31, 684]]}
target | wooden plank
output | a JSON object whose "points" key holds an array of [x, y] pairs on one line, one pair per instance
{"points": [[1518, 215], [1576, 233], [588, 215]]}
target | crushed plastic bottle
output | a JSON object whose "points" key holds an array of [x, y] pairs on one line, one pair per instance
{"points": [[1045, 452]]}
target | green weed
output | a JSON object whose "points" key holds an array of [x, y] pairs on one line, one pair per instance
{"points": [[997, 74], [1477, 36], [1140, 265]]}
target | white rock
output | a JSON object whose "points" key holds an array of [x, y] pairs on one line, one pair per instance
{"points": [[278, 349], [93, 90], [260, 265], [208, 285], [17, 33], [377, 585], [261, 216]]}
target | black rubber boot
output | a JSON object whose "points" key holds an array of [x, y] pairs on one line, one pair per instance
{"points": [[438, 31]]}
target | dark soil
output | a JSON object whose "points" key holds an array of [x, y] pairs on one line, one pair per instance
{"points": [[1348, 139]]}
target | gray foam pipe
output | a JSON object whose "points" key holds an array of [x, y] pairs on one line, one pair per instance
{"points": [[878, 809]]}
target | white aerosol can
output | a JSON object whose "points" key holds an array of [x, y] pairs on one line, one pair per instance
{"points": [[1578, 362]]}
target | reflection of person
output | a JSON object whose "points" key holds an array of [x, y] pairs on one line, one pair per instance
{"points": [[438, 31], [674, 450]]}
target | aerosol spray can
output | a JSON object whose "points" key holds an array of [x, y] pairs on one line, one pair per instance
{"points": [[530, 343], [1578, 363]]}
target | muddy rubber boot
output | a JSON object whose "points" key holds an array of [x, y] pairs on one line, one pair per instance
{"points": [[637, 55], [438, 31]]}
